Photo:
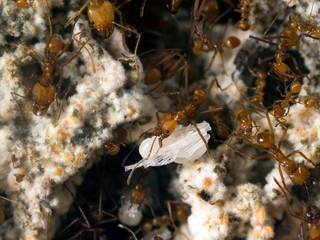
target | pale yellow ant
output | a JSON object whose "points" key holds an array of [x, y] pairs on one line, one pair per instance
{"points": [[44, 92], [102, 14]]}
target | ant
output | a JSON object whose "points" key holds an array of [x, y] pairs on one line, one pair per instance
{"points": [[310, 102], [102, 14], [168, 122], [219, 120], [260, 83], [113, 146], [168, 219], [310, 226], [280, 105], [244, 9], [298, 172], [44, 92], [167, 66], [23, 3], [201, 43]]}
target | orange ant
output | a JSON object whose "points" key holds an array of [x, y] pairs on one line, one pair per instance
{"points": [[244, 8], [101, 13], [167, 66], [168, 219], [169, 121], [260, 83], [201, 43], [310, 102], [280, 105], [219, 121], [113, 146], [310, 226], [298, 172], [44, 92]]}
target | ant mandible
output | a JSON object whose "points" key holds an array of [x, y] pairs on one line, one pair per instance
{"points": [[44, 91], [101, 13]]}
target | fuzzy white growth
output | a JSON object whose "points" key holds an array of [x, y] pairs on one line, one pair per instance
{"points": [[182, 146]]}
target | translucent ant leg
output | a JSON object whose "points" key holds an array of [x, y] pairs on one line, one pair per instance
{"points": [[20, 110], [142, 8], [91, 58], [304, 156], [203, 139], [129, 230], [60, 108], [273, 21], [32, 51], [77, 14], [250, 157], [80, 209], [136, 47], [141, 161]]}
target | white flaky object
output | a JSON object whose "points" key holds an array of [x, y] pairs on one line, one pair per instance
{"points": [[184, 145]]}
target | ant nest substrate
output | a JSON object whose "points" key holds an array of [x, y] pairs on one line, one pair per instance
{"points": [[73, 97]]}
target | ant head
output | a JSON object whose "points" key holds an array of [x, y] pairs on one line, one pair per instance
{"points": [[260, 74], [199, 95], [102, 16], [265, 139], [55, 44], [281, 68], [241, 113], [167, 125], [42, 97]]}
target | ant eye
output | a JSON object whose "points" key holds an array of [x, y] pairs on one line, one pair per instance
{"points": [[167, 131], [286, 72]]}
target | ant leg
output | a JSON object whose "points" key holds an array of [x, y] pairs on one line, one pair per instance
{"points": [[32, 51], [136, 47], [203, 139], [186, 80], [282, 178], [211, 110], [142, 8], [270, 125], [129, 230], [77, 14], [283, 136], [15, 100], [249, 157], [80, 209], [60, 108], [304, 156], [287, 200], [91, 58], [273, 21], [77, 53], [179, 96]]}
